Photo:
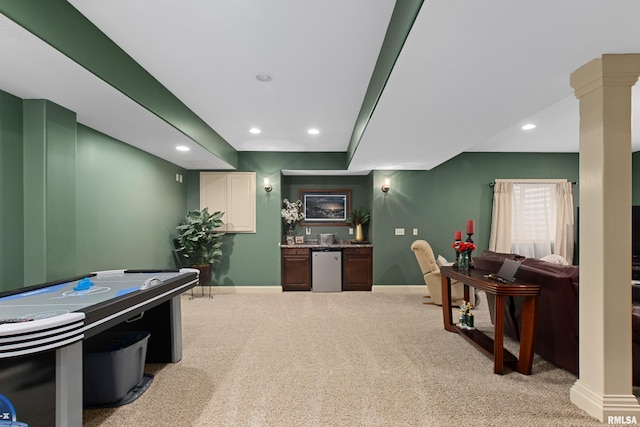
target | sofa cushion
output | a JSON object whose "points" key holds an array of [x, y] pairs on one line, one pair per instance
{"points": [[570, 271], [555, 259]]}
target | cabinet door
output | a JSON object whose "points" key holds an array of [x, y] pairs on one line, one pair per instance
{"points": [[233, 193], [357, 269], [213, 193], [241, 202], [296, 269]]}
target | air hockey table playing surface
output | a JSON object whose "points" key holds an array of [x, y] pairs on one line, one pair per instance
{"points": [[61, 298]]}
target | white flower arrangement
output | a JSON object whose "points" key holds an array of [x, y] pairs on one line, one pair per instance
{"points": [[291, 212]]}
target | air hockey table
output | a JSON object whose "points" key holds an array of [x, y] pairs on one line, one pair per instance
{"points": [[42, 329]]}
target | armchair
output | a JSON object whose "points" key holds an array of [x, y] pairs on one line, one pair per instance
{"points": [[431, 273]]}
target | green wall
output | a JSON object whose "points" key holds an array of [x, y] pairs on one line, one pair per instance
{"points": [[436, 202], [360, 198], [125, 204], [253, 259], [129, 204], [11, 193], [74, 200], [440, 201]]}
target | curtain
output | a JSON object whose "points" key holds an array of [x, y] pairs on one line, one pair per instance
{"points": [[500, 238], [564, 221]]}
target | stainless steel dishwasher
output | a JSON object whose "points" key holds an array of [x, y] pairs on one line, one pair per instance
{"points": [[326, 270]]}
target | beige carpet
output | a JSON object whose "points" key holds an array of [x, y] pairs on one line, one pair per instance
{"points": [[340, 359]]}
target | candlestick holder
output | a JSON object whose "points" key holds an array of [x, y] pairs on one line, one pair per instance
{"points": [[470, 240]]}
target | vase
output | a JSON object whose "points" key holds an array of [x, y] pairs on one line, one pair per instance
{"points": [[290, 237], [463, 262], [359, 233]]}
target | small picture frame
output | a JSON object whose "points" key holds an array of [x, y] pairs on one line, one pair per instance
{"points": [[299, 240], [290, 240]]}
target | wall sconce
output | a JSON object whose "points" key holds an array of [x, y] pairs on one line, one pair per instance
{"points": [[267, 185], [386, 186]]}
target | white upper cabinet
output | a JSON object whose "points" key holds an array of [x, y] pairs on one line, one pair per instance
{"points": [[233, 193]]}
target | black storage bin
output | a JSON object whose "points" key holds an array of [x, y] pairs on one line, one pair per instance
{"points": [[113, 366]]}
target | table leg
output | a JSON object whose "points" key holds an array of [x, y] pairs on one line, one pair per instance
{"points": [[446, 305], [69, 385], [498, 339], [528, 334]]}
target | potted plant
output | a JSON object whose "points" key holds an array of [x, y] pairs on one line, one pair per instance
{"points": [[359, 217], [199, 241]]}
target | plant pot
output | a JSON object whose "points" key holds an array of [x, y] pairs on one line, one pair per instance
{"points": [[359, 233], [205, 274]]}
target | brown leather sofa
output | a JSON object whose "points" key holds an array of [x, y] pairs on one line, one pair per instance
{"points": [[557, 336]]}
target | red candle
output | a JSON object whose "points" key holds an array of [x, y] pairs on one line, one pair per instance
{"points": [[471, 225], [457, 235]]}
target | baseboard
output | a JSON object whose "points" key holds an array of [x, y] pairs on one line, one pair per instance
{"points": [[606, 408], [238, 289], [401, 289], [389, 289]]}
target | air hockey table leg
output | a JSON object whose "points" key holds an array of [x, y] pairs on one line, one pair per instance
{"points": [[176, 329], [69, 385]]}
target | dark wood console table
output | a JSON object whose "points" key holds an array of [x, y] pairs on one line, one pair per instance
{"points": [[494, 348]]}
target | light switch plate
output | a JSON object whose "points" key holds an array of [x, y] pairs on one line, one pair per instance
{"points": [[415, 231], [350, 230], [399, 231]]}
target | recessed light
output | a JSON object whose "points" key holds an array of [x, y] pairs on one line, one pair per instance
{"points": [[528, 126], [264, 77], [313, 131], [255, 131], [182, 148]]}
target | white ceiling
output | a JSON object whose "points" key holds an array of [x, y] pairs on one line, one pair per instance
{"points": [[469, 75]]}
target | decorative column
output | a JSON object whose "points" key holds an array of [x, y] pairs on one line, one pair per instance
{"points": [[49, 180], [603, 87]]}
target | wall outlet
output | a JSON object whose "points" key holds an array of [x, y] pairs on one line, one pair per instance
{"points": [[350, 230], [399, 231], [308, 230], [415, 231]]}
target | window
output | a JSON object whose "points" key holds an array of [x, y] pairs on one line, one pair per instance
{"points": [[533, 218], [533, 221]]}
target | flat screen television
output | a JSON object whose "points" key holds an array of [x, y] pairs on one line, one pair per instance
{"points": [[635, 235]]}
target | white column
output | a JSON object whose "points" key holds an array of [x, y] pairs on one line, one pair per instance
{"points": [[604, 387]]}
